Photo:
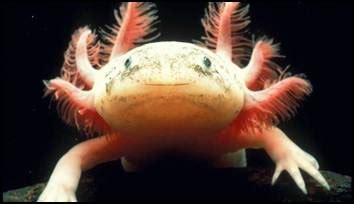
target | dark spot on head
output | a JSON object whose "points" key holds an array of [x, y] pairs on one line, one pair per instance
{"points": [[128, 72], [109, 72], [200, 70], [109, 86]]}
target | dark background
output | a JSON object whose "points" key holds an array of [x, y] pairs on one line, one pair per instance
{"points": [[315, 37]]}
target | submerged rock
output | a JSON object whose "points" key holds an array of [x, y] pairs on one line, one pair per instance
{"points": [[112, 184]]}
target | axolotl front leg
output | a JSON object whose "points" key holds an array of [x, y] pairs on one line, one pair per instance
{"points": [[64, 180], [286, 155], [253, 128]]}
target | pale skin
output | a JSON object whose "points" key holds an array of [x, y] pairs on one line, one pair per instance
{"points": [[175, 96]]}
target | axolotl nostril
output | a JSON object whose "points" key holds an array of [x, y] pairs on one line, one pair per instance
{"points": [[197, 98]]}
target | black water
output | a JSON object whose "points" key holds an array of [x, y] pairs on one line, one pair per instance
{"points": [[315, 37]]}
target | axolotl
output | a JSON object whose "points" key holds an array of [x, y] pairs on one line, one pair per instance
{"points": [[210, 99]]}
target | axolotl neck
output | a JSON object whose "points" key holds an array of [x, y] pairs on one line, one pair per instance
{"points": [[169, 89]]}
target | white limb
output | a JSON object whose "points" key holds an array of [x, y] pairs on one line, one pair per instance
{"points": [[288, 156], [64, 180]]}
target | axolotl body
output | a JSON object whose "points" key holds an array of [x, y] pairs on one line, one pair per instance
{"points": [[197, 99]]}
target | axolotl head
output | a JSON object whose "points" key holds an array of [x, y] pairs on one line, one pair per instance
{"points": [[169, 88]]}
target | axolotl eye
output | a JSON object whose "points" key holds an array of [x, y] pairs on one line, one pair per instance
{"points": [[207, 62], [127, 62]]}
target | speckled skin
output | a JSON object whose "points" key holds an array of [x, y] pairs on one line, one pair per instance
{"points": [[161, 89], [175, 97]]}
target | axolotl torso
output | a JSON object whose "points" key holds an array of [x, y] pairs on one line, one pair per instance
{"points": [[175, 96]]}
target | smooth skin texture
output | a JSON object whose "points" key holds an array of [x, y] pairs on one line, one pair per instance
{"points": [[196, 99]]}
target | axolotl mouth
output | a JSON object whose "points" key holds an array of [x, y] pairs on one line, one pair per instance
{"points": [[171, 109], [171, 84]]}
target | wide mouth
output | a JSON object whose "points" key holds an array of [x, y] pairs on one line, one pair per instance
{"points": [[168, 84], [157, 94], [179, 108]]}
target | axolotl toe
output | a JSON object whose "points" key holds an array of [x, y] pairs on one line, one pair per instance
{"points": [[211, 99]]}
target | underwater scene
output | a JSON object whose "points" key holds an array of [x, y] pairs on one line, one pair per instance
{"points": [[112, 101]]}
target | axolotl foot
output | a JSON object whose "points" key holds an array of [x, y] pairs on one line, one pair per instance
{"points": [[288, 156], [57, 193]]}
